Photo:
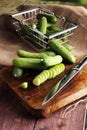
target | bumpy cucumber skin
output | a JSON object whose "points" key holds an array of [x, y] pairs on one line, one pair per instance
{"points": [[48, 74], [68, 47], [17, 72], [27, 54], [30, 63], [42, 26], [53, 28], [49, 53], [61, 50], [50, 18], [52, 60]]}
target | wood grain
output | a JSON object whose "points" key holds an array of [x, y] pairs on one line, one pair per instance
{"points": [[32, 98], [14, 117]]}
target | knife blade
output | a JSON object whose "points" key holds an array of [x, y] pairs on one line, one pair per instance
{"points": [[60, 85]]}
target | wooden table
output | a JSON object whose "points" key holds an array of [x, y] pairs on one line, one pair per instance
{"points": [[14, 117]]}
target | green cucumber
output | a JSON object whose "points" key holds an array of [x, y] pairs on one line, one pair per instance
{"points": [[28, 54], [42, 25], [50, 18], [41, 78], [56, 70], [24, 85], [49, 32], [33, 25], [61, 50], [68, 47], [48, 24], [52, 60], [46, 49], [17, 72], [64, 37], [54, 28], [49, 53], [31, 63], [48, 74]]}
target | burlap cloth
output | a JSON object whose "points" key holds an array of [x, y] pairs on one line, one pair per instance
{"points": [[10, 42]]}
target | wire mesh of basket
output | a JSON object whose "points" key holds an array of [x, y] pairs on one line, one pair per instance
{"points": [[23, 20]]}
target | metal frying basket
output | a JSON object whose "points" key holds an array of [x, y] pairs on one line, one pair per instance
{"points": [[29, 16]]}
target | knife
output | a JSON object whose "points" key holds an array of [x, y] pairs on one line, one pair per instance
{"points": [[60, 85]]}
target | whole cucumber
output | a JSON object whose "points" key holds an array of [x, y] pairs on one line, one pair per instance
{"points": [[17, 72], [42, 25], [28, 54], [31, 63], [54, 28], [61, 50]]}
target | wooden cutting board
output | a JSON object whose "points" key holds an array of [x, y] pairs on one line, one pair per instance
{"points": [[32, 97]]}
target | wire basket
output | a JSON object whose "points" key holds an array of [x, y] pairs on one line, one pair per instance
{"points": [[32, 34]]}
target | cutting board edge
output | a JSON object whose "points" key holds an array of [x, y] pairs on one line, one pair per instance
{"points": [[46, 111]]}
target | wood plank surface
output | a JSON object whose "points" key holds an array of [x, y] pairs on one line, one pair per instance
{"points": [[14, 117], [32, 98]]}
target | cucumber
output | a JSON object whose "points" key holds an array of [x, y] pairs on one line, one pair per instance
{"points": [[49, 53], [42, 25], [33, 25], [54, 28], [48, 74], [41, 78], [52, 60], [37, 63], [56, 70], [24, 85], [46, 49], [49, 32], [17, 72], [68, 47], [48, 24], [64, 37], [50, 18], [27, 54], [61, 50], [31, 63], [56, 40]]}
